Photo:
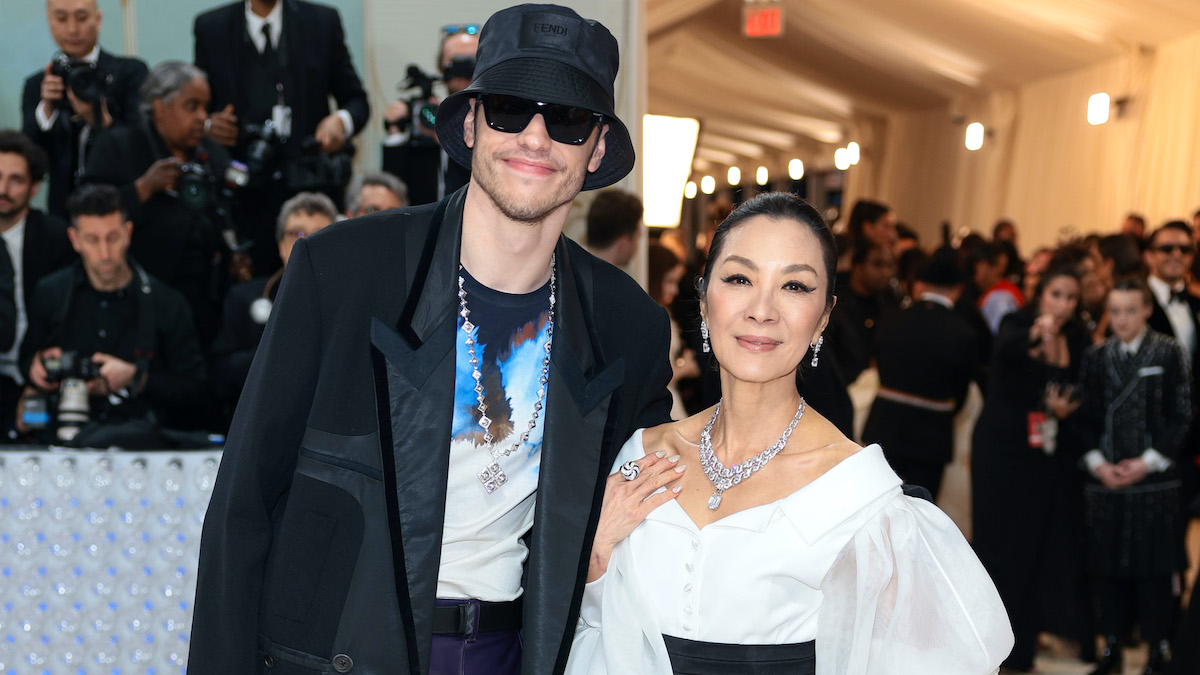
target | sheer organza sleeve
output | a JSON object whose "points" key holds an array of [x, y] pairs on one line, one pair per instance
{"points": [[907, 595]]}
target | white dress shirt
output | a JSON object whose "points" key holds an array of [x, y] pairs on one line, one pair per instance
{"points": [[274, 19], [1178, 314], [884, 583]]}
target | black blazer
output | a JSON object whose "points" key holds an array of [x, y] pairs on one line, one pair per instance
{"points": [[317, 63], [61, 142], [47, 250], [323, 536], [930, 351], [233, 350], [1159, 322]]}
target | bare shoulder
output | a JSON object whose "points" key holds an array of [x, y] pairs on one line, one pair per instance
{"points": [[822, 447], [681, 437]]}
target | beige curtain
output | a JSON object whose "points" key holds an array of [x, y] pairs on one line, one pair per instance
{"points": [[1043, 165]]}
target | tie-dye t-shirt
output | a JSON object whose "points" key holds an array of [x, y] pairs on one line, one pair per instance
{"points": [[482, 551]]}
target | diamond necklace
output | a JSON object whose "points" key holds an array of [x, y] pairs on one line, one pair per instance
{"points": [[492, 476], [724, 478]]}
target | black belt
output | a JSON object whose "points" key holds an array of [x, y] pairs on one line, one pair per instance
{"points": [[689, 657], [472, 616]]}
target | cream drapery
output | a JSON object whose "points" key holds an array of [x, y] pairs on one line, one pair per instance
{"points": [[1042, 164]]}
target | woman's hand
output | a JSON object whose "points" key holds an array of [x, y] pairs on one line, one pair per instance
{"points": [[628, 502], [1061, 400]]}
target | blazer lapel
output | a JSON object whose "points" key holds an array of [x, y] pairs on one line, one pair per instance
{"points": [[577, 444], [414, 384]]}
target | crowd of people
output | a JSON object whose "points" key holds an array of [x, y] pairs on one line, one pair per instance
{"points": [[131, 312], [218, 166]]}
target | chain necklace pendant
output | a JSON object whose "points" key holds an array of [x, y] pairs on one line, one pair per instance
{"points": [[492, 477], [714, 501]]}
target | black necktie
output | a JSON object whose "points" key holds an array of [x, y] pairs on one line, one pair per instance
{"points": [[268, 47], [8, 303], [1180, 295]]}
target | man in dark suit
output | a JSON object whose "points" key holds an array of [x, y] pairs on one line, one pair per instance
{"points": [[926, 361], [280, 61], [65, 122], [415, 470], [1169, 256], [33, 244]]}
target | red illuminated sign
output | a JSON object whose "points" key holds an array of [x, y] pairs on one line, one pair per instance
{"points": [[762, 21]]}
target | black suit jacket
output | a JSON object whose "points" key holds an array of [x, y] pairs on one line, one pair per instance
{"points": [[930, 351], [317, 63], [323, 535], [233, 350], [61, 142], [47, 249], [1159, 322]]}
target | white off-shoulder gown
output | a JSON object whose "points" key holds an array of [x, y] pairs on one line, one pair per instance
{"points": [[885, 583]]}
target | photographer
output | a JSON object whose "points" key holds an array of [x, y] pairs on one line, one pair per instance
{"points": [[32, 245], [105, 324], [80, 93], [249, 304], [171, 177], [412, 151], [273, 66]]}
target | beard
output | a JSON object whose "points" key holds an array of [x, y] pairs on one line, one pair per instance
{"points": [[10, 207], [503, 191]]}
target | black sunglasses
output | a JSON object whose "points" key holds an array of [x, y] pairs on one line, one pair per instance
{"points": [[568, 124], [1170, 248]]}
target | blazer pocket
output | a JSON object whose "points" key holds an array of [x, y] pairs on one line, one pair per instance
{"points": [[313, 554]]}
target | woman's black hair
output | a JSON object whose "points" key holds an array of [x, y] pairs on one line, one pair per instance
{"points": [[776, 206]]}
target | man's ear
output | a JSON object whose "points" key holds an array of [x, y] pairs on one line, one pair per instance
{"points": [[469, 123], [598, 151]]}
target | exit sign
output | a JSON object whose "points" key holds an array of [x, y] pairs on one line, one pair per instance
{"points": [[762, 19]]}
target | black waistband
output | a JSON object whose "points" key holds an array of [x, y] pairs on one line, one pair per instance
{"points": [[465, 617], [689, 657]]}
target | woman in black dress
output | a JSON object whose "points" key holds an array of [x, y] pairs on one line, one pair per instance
{"points": [[1020, 468]]}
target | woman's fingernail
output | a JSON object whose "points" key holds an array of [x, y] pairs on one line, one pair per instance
{"points": [[674, 458], [677, 489], [680, 468], [661, 453]]}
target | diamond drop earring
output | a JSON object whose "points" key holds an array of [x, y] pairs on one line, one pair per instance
{"points": [[704, 336], [816, 349]]}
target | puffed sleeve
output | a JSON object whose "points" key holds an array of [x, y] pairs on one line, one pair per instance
{"points": [[617, 631], [907, 595]]}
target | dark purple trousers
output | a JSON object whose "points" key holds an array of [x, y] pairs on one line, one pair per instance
{"points": [[476, 653]]}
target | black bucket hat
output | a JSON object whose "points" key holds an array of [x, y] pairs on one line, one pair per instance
{"points": [[545, 53]]}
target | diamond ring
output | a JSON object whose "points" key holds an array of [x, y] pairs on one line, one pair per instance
{"points": [[630, 470]]}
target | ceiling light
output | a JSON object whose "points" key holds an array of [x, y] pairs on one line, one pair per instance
{"points": [[734, 176], [795, 169], [853, 149], [974, 136], [841, 159], [761, 176], [689, 190], [708, 185], [1098, 109]]}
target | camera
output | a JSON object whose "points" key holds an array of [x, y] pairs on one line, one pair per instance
{"points": [[72, 412], [83, 78], [262, 147], [199, 188], [421, 107], [317, 171]]}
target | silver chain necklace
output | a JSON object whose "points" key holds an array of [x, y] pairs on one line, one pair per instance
{"points": [[492, 476], [724, 478]]}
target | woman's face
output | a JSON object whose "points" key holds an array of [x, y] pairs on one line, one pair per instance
{"points": [[765, 299], [670, 284], [1059, 298], [180, 121]]}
